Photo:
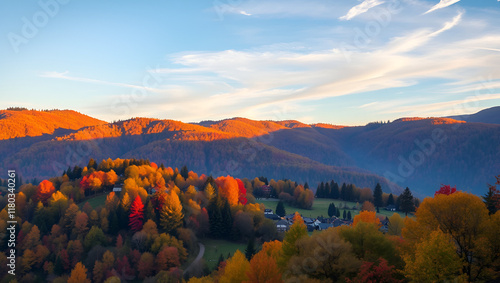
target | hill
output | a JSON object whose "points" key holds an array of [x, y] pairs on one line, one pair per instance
{"points": [[489, 116], [32, 123], [421, 153]]}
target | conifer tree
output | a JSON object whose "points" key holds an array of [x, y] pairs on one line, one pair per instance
{"points": [[171, 215], [136, 216]]}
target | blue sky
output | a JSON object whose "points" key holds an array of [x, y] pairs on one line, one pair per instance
{"points": [[341, 62]]}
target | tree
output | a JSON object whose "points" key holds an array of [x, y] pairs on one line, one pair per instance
{"points": [[435, 260], [263, 269], [406, 203], [43, 192], [349, 217], [324, 257], [331, 209], [377, 196], [184, 172], [297, 231], [146, 265], [367, 206], [136, 216], [492, 198], [250, 250], [369, 272], [280, 209], [344, 215], [209, 191], [171, 215], [79, 274], [94, 237], [396, 224], [236, 269], [390, 200], [464, 218], [167, 258], [445, 190], [367, 217]]}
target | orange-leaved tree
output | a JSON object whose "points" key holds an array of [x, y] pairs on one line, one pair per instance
{"points": [[366, 216]]}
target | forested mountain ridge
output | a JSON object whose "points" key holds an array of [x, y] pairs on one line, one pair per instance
{"points": [[466, 154]]}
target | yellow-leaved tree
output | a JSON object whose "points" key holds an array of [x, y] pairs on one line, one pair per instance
{"points": [[236, 269]]}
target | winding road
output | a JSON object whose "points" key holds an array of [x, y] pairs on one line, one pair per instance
{"points": [[197, 259]]}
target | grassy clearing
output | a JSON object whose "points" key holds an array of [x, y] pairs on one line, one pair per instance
{"points": [[214, 248], [94, 201], [320, 208]]}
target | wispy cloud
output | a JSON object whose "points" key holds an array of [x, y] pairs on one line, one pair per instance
{"points": [[64, 76], [361, 8], [442, 4], [245, 13]]}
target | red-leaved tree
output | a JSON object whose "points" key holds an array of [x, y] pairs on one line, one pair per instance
{"points": [[371, 273], [242, 195], [136, 216], [446, 190]]}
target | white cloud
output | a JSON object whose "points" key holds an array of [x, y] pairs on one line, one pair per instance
{"points": [[442, 4], [245, 13], [361, 8]]}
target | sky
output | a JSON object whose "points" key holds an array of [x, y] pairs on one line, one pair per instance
{"points": [[342, 62]]}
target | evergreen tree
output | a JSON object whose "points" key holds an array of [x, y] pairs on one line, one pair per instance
{"points": [[327, 191], [171, 215], [332, 209], [335, 191], [343, 192], [306, 186], [349, 217], [406, 203], [280, 209], [250, 250], [344, 215], [184, 172], [491, 199], [227, 219], [337, 214], [136, 216], [215, 217], [320, 191], [377, 196], [390, 200]]}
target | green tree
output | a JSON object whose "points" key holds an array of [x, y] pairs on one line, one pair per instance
{"points": [[280, 209], [344, 216], [332, 209], [390, 200], [406, 203], [349, 216], [492, 200], [250, 250], [94, 237], [377, 196], [184, 172]]}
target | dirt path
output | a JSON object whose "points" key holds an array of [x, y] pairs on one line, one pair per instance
{"points": [[197, 259]]}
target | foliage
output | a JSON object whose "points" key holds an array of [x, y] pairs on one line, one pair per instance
{"points": [[136, 216], [435, 260], [297, 231], [236, 269], [367, 217], [446, 190], [280, 209]]}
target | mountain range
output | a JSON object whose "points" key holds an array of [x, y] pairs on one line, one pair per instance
{"points": [[420, 153]]}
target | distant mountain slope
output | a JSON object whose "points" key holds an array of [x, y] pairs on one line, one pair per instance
{"points": [[421, 153], [424, 153], [490, 116], [31, 123]]}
